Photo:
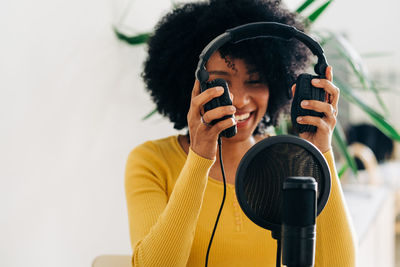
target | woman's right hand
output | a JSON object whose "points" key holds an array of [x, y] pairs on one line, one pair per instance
{"points": [[204, 136]]}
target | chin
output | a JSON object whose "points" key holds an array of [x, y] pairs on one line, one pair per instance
{"points": [[241, 135]]}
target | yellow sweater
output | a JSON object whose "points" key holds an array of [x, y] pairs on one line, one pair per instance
{"points": [[173, 204]]}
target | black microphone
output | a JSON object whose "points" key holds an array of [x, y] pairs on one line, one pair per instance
{"points": [[298, 221], [286, 169]]}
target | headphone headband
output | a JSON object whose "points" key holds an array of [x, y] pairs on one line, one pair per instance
{"points": [[260, 30]]}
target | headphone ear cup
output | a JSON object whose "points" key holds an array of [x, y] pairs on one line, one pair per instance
{"points": [[223, 100], [305, 91]]}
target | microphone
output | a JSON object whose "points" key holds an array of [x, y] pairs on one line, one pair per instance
{"points": [[285, 169], [299, 211]]}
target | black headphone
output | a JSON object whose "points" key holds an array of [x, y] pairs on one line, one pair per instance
{"points": [[304, 89]]}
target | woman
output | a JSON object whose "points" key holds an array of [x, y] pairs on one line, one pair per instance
{"points": [[173, 185]]}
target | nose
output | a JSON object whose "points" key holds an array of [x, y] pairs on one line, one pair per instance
{"points": [[240, 97]]}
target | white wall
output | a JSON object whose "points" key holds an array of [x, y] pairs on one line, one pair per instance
{"points": [[71, 105]]}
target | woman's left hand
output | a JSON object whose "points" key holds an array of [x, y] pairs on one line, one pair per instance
{"points": [[323, 136]]}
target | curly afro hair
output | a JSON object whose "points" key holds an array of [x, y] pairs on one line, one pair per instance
{"points": [[181, 35]]}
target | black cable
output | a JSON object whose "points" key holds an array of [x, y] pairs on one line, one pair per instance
{"points": [[223, 199], [278, 253]]}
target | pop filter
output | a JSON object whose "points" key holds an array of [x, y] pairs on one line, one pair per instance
{"points": [[265, 167]]}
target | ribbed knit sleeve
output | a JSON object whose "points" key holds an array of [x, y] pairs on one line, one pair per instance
{"points": [[336, 242], [162, 227]]}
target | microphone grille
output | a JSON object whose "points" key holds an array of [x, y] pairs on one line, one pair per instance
{"points": [[266, 173]]}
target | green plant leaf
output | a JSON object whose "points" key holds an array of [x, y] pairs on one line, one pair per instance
{"points": [[283, 126], [377, 54], [353, 59], [151, 113], [303, 6], [378, 119], [133, 40], [340, 139], [343, 170], [365, 82], [319, 11]]}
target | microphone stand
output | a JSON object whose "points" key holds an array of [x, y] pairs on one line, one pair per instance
{"points": [[277, 236]]}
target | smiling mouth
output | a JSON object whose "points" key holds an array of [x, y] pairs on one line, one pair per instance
{"points": [[242, 117]]}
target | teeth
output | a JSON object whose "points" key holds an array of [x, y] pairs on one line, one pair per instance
{"points": [[242, 117]]}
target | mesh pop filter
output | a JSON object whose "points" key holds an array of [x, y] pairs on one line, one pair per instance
{"points": [[264, 168]]}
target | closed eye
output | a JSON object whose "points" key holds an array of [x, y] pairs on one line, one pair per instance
{"points": [[253, 81]]}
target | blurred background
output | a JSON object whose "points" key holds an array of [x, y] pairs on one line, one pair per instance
{"points": [[71, 109]]}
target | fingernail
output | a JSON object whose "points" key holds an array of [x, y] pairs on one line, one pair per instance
{"points": [[220, 89], [316, 80], [233, 108], [299, 119], [304, 103]]}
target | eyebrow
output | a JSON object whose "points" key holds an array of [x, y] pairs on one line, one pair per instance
{"points": [[218, 72], [252, 71], [221, 72]]}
